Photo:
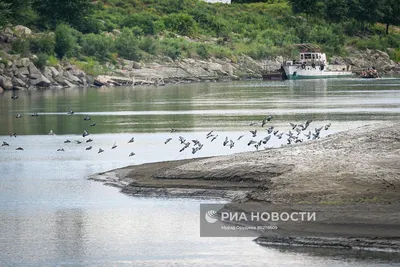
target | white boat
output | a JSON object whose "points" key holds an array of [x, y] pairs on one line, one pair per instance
{"points": [[312, 64]]}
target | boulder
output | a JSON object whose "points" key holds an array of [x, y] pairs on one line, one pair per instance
{"points": [[54, 72], [48, 73], [39, 80], [5, 83], [23, 72], [23, 62], [18, 82], [22, 30], [33, 70]]}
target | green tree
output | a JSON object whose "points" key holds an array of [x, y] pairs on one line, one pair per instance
{"points": [[390, 10], [181, 23], [53, 12], [127, 45], [308, 7], [65, 40], [336, 10], [5, 12], [96, 45], [18, 11]]}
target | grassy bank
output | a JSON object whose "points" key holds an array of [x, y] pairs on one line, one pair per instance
{"points": [[148, 30]]}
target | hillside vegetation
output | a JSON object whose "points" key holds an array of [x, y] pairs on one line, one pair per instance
{"points": [[95, 32]]}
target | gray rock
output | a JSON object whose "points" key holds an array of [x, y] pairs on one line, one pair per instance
{"points": [[22, 30], [23, 62], [39, 80], [48, 73], [54, 72], [18, 82], [33, 70], [5, 83], [23, 72]]}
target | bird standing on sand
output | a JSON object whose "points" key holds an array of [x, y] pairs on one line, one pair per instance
{"points": [[240, 137], [131, 140], [85, 133], [226, 141], [19, 148], [254, 133], [131, 154], [89, 140], [215, 137], [88, 148], [5, 144], [327, 126], [100, 151], [168, 139], [114, 146], [13, 134], [67, 141], [60, 149]]}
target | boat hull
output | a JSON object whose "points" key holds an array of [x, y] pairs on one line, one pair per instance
{"points": [[295, 72]]}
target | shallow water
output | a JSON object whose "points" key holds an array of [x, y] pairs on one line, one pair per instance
{"points": [[51, 215]]}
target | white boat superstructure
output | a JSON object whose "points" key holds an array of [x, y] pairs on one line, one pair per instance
{"points": [[313, 64]]}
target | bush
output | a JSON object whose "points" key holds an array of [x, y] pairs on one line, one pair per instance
{"points": [[41, 61], [127, 45], [173, 47], [202, 51], [181, 23], [144, 21], [98, 46], [65, 40], [20, 46], [43, 43], [149, 44]]}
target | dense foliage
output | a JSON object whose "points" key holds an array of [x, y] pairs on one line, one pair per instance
{"points": [[142, 29]]}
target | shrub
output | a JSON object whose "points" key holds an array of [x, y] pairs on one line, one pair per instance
{"points": [[65, 40], [149, 44], [202, 51], [98, 46], [20, 46], [144, 21], [173, 47], [41, 60], [43, 43], [181, 23], [127, 45]]}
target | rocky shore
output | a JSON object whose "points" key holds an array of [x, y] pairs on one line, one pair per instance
{"points": [[351, 179], [20, 73]]}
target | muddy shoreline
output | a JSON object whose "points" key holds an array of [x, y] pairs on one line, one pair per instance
{"points": [[351, 179]]}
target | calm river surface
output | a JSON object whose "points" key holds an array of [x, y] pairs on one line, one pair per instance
{"points": [[50, 215]]}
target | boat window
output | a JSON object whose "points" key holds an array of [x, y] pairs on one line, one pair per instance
{"points": [[313, 56], [307, 56], [301, 56]]}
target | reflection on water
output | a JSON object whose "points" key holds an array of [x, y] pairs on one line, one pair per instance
{"points": [[51, 215]]}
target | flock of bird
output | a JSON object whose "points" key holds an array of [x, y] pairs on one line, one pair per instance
{"points": [[261, 136]]}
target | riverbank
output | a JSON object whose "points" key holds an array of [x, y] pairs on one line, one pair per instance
{"points": [[351, 178], [29, 72]]}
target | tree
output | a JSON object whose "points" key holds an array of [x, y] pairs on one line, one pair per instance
{"points": [[72, 12], [65, 40], [17, 11], [336, 10], [5, 13], [127, 45], [390, 10], [309, 7]]}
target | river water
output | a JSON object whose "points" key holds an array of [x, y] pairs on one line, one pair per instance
{"points": [[50, 215]]}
